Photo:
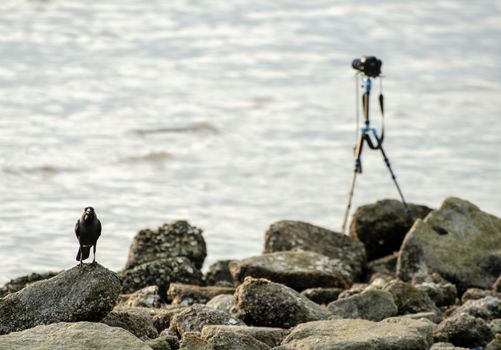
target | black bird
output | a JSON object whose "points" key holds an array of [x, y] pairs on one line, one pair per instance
{"points": [[88, 230]]}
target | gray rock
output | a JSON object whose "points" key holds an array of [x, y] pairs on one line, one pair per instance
{"points": [[19, 283], [374, 305], [355, 289], [160, 343], [222, 302], [226, 339], [411, 300], [495, 344], [439, 290], [85, 293], [195, 317], [446, 346], [385, 265], [188, 294], [74, 336], [458, 241], [300, 236], [269, 336], [382, 226], [463, 330], [218, 274], [477, 293], [135, 320], [260, 302], [495, 325], [322, 295], [298, 270], [424, 326], [170, 240], [161, 273], [487, 308], [352, 334], [145, 297]]}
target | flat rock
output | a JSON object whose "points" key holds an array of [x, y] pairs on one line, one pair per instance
{"points": [[383, 225], [352, 334], [300, 236], [227, 339], [170, 240], [188, 294], [458, 241], [260, 302], [85, 293], [161, 273], [268, 335], [463, 330], [135, 320], [374, 305], [297, 269], [19, 283], [74, 336]]}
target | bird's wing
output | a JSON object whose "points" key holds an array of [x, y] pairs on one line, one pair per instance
{"points": [[98, 228], [77, 229]]}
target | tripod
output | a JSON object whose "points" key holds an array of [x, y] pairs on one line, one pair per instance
{"points": [[364, 136]]}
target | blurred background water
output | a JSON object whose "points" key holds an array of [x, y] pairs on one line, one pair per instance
{"points": [[233, 115]]}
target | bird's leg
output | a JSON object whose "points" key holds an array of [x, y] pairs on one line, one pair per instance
{"points": [[94, 260], [81, 255]]}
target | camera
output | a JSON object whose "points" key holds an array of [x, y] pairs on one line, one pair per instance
{"points": [[370, 66]]}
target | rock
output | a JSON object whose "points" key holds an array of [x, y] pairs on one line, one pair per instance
{"points": [[145, 297], [300, 236], [495, 344], [322, 295], [269, 336], [382, 226], [192, 341], [19, 283], [385, 265], [477, 293], [162, 317], [195, 317], [226, 339], [85, 293], [411, 300], [260, 302], [222, 302], [497, 285], [355, 289], [161, 273], [439, 290], [218, 274], [495, 325], [463, 330], [74, 336], [188, 294], [353, 335], [298, 270], [458, 241], [424, 326], [374, 305], [133, 320], [446, 346], [160, 343], [487, 308], [171, 240]]}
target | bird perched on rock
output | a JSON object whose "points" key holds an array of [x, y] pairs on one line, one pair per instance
{"points": [[88, 230]]}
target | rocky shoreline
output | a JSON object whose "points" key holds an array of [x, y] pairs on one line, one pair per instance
{"points": [[393, 283]]}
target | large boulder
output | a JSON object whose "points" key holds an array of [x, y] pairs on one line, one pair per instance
{"points": [[19, 283], [74, 336], [260, 302], [84, 293], [459, 241], [374, 305], [297, 269], [352, 334], [188, 294], [382, 226], [170, 240], [295, 235], [161, 273]]}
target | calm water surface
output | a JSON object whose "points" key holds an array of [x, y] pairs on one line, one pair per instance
{"points": [[233, 115]]}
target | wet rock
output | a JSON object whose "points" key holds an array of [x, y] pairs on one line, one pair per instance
{"points": [[135, 320], [226, 339], [458, 241], [354, 335], [382, 226], [161, 273], [260, 302], [322, 295], [195, 317], [219, 274], [171, 240], [411, 300], [85, 293], [19, 283], [446, 346], [269, 336], [160, 343], [145, 297], [298, 270], [374, 305], [187, 294], [463, 330], [300, 236], [222, 302], [495, 344], [74, 336], [439, 290], [487, 308]]}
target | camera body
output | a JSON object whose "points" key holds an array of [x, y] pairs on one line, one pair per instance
{"points": [[368, 65]]}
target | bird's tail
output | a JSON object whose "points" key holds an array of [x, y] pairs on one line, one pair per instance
{"points": [[85, 250]]}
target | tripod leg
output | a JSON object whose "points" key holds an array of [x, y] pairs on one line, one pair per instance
{"points": [[394, 178]]}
